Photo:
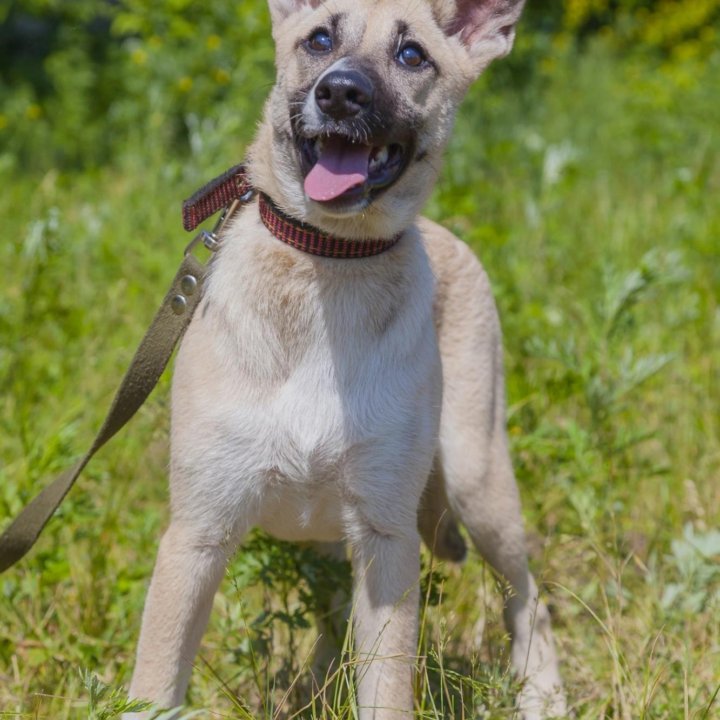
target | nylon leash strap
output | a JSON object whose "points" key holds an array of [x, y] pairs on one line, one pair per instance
{"points": [[229, 191]]}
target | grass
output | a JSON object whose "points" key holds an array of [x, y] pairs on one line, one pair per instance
{"points": [[590, 193]]}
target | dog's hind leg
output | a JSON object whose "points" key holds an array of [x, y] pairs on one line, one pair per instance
{"points": [[482, 492], [436, 522], [475, 463], [187, 573]]}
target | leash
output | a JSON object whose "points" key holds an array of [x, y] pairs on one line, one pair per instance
{"points": [[228, 193]]}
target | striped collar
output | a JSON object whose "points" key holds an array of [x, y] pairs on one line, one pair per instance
{"points": [[311, 240]]}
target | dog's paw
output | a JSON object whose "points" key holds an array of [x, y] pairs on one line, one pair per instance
{"points": [[535, 703]]}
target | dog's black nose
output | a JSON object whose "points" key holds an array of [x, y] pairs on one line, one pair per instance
{"points": [[344, 93]]}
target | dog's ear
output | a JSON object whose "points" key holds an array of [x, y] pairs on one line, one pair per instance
{"points": [[485, 27], [280, 9]]}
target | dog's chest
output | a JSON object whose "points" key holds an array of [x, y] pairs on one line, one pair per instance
{"points": [[295, 374], [288, 455]]}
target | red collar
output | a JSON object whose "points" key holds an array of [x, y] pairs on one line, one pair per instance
{"points": [[234, 186], [311, 240]]}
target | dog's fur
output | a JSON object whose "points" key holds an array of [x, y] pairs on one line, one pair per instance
{"points": [[350, 400]]}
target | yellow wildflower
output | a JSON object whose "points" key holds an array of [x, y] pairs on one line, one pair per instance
{"points": [[221, 76], [185, 84], [33, 112], [138, 56]]}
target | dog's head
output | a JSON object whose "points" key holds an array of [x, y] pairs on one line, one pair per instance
{"points": [[364, 104]]}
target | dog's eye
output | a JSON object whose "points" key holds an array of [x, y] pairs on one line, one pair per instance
{"points": [[319, 42], [412, 55]]}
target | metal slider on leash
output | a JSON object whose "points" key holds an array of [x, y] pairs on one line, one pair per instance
{"points": [[211, 240], [227, 193]]}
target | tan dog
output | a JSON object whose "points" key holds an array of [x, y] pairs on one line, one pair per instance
{"points": [[350, 400]]}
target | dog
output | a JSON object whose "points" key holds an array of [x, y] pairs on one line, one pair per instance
{"points": [[349, 397]]}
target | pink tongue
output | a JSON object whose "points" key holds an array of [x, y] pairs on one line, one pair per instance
{"points": [[342, 165]]}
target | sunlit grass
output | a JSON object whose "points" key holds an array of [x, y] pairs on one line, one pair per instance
{"points": [[591, 198]]}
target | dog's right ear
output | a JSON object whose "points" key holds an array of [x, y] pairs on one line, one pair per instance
{"points": [[280, 9]]}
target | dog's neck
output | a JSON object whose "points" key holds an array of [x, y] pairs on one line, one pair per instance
{"points": [[311, 240]]}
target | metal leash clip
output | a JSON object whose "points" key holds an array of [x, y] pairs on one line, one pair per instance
{"points": [[211, 239]]}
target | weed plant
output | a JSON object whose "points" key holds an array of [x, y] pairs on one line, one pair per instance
{"points": [[589, 189]]}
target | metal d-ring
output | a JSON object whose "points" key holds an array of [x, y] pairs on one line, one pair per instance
{"points": [[211, 238]]}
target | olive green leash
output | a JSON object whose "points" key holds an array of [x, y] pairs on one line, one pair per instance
{"points": [[149, 362]]}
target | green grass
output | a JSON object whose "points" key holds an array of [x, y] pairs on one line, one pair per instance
{"points": [[590, 193]]}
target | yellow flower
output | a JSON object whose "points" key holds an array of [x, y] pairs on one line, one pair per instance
{"points": [[138, 56], [213, 42], [687, 50], [185, 84], [547, 65], [579, 11], [33, 112], [221, 76], [708, 34]]}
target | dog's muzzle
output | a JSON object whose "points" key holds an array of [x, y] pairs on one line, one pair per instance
{"points": [[348, 150]]}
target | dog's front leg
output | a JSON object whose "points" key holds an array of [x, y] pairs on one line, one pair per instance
{"points": [[187, 574], [385, 615]]}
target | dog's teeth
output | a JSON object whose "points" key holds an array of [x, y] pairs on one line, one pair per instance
{"points": [[380, 157]]}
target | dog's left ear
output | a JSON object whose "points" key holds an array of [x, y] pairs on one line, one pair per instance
{"points": [[486, 28], [280, 9]]}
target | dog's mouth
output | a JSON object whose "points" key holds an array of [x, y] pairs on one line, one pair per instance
{"points": [[338, 170]]}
